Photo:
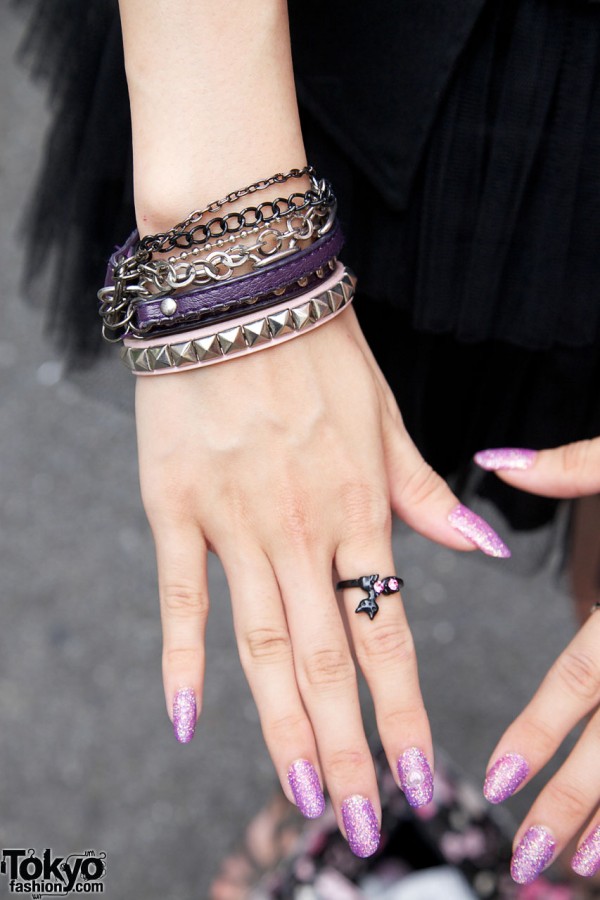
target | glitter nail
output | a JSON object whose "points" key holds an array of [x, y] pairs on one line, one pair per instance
{"points": [[306, 788], [533, 854], [515, 458], [586, 861], [361, 825], [415, 777], [504, 777], [184, 715], [477, 530]]}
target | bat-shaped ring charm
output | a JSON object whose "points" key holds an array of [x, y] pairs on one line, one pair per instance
{"points": [[375, 587]]}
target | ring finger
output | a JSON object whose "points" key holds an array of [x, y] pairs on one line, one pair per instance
{"points": [[385, 652]]}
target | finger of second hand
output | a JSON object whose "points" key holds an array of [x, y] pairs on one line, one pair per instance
{"points": [[385, 652], [561, 809], [327, 679], [570, 690], [266, 655]]}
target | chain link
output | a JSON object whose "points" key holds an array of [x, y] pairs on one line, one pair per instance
{"points": [[118, 301], [168, 240]]}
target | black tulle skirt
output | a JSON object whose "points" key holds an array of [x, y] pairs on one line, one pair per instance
{"points": [[481, 299]]}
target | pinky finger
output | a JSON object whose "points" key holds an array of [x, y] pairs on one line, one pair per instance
{"points": [[183, 590]]}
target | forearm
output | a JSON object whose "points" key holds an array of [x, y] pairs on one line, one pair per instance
{"points": [[213, 102]]}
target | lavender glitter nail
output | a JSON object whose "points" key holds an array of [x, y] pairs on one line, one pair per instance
{"points": [[586, 861], [306, 788], [504, 777], [533, 854], [415, 777], [184, 715], [515, 458], [361, 825], [477, 530]]}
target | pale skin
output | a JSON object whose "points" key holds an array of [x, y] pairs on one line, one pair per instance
{"points": [[289, 463]]}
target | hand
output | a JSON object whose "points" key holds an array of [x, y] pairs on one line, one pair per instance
{"points": [[286, 464], [570, 691]]}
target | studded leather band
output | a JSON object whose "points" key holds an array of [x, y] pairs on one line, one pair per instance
{"points": [[206, 346], [229, 298]]}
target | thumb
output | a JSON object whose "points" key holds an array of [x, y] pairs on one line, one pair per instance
{"points": [[569, 471], [421, 497]]}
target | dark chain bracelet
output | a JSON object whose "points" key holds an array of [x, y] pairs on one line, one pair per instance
{"points": [[182, 236], [236, 222]]}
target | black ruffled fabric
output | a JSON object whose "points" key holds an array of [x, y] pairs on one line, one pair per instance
{"points": [[82, 203], [470, 197]]}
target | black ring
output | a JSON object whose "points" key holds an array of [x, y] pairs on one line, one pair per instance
{"points": [[375, 587]]}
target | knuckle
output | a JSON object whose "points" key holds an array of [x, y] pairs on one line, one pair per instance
{"points": [[328, 667], [296, 518], [293, 726], [423, 485], [165, 500], [572, 800], [580, 674], [344, 763], [365, 509], [537, 733], [398, 721], [265, 645], [387, 644], [184, 601], [180, 658], [574, 461]]}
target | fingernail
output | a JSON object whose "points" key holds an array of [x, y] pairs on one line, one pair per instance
{"points": [[360, 822], [504, 777], [477, 530], [533, 854], [306, 788], [505, 458], [415, 777], [184, 715], [586, 861]]}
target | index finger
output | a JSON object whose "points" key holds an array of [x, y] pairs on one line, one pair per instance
{"points": [[572, 470]]}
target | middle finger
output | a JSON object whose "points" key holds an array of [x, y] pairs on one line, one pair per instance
{"points": [[327, 680]]}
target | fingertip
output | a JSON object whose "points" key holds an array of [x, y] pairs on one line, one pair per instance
{"points": [[184, 712], [498, 459]]}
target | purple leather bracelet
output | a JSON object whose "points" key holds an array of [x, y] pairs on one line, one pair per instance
{"points": [[229, 298]]}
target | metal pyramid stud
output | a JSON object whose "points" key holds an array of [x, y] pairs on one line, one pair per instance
{"points": [[302, 316], [140, 361], [183, 354], [126, 357], [207, 348], [232, 340], [257, 332], [336, 297], [320, 307], [281, 323], [348, 285], [159, 357]]}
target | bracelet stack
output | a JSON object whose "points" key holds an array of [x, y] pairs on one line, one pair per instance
{"points": [[209, 291]]}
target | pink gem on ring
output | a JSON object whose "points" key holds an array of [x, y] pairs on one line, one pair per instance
{"points": [[374, 587]]}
